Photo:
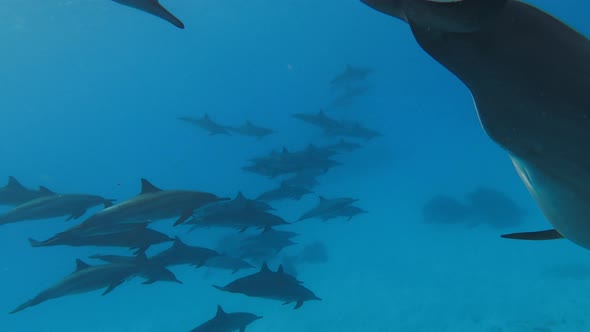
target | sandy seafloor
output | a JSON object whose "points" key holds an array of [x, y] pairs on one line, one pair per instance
{"points": [[90, 96]]}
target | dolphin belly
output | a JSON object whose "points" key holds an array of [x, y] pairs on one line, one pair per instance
{"points": [[563, 205]]}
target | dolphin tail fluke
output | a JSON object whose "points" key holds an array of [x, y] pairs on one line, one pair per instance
{"points": [[550, 234]]}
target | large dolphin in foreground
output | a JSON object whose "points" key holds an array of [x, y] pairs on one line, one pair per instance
{"points": [[529, 75]]}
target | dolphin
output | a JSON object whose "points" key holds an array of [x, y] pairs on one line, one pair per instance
{"points": [[348, 212], [14, 193], [227, 322], [353, 129], [319, 119], [133, 236], [150, 205], [271, 285], [266, 244], [152, 7], [180, 253], [344, 146], [87, 278], [327, 206], [53, 206], [529, 76], [284, 191], [207, 124], [351, 74], [249, 129]]}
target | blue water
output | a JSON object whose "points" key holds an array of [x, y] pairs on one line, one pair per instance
{"points": [[91, 92]]}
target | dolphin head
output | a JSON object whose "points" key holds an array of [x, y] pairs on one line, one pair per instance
{"points": [[157, 273]]}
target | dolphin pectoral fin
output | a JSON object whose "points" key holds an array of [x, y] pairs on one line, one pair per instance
{"points": [[153, 7], [184, 217], [285, 303], [549, 234], [76, 214], [112, 286], [298, 305]]}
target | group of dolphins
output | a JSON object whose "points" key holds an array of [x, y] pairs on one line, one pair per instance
{"points": [[124, 223], [529, 76]]}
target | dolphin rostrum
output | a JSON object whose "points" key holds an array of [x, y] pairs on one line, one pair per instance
{"points": [[529, 76]]}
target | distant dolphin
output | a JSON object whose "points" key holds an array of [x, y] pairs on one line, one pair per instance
{"points": [[529, 75], [15, 193], [52, 206], [152, 7], [150, 205], [227, 322], [89, 278]]}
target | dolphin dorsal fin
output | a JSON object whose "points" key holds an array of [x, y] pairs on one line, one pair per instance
{"points": [[285, 150], [81, 265], [240, 196], [14, 184], [264, 268], [281, 270], [45, 191], [148, 188], [220, 311], [178, 242]]}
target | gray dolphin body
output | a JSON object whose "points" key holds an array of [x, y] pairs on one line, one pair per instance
{"points": [[89, 278], [529, 76], [271, 285], [351, 74], [319, 119], [327, 206], [152, 7], [181, 253], [205, 123], [227, 322], [136, 236], [250, 129], [53, 206], [284, 191], [14, 193], [150, 205]]}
